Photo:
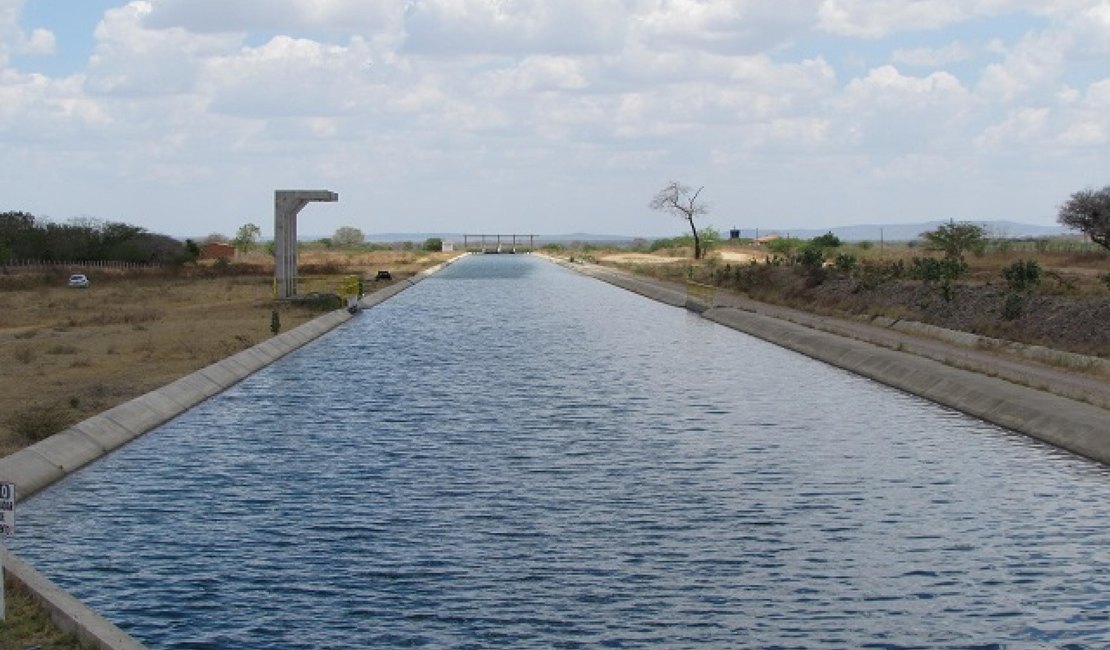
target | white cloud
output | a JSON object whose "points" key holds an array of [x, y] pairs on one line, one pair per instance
{"points": [[1086, 121], [289, 76], [878, 18], [724, 26], [451, 27], [14, 40], [35, 106], [930, 57], [40, 41], [540, 73], [527, 98], [1021, 126], [132, 60], [886, 89], [216, 16], [1034, 64]]}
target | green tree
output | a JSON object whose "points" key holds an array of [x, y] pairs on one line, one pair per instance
{"points": [[954, 239], [433, 244], [18, 236], [828, 240], [347, 237], [710, 238], [192, 252], [246, 237], [1088, 211], [682, 201], [1023, 276]]}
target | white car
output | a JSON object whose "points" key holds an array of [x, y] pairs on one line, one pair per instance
{"points": [[79, 281]]}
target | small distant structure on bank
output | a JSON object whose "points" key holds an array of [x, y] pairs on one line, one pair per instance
{"points": [[764, 240], [217, 251]]}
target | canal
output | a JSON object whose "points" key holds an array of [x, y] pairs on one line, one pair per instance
{"points": [[511, 455]]}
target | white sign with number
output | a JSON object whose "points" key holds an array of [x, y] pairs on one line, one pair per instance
{"points": [[7, 509]]}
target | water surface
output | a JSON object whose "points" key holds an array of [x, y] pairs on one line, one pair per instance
{"points": [[511, 455]]}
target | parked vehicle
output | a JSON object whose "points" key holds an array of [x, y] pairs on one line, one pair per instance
{"points": [[383, 275], [79, 281]]}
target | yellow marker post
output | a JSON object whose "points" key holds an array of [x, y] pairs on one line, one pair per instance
{"points": [[700, 297]]}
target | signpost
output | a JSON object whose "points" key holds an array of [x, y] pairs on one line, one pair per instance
{"points": [[7, 529]]}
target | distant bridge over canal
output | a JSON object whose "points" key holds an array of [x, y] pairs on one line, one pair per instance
{"points": [[499, 243]]}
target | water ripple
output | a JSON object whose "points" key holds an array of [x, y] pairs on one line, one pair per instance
{"points": [[509, 455]]}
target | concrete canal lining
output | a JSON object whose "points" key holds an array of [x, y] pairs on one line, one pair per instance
{"points": [[35, 467], [1075, 426], [1069, 424]]}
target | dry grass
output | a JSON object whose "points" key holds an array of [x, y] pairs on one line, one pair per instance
{"points": [[28, 626]]}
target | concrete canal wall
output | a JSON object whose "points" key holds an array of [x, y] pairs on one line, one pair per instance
{"points": [[1072, 425], [41, 464]]}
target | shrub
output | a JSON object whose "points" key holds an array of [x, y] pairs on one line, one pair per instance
{"points": [[784, 245], [811, 257], [433, 244], [1106, 280], [942, 272], [932, 271], [870, 274], [828, 240], [846, 262], [1013, 306], [1023, 276]]}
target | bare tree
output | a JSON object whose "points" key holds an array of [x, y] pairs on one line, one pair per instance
{"points": [[682, 201]]}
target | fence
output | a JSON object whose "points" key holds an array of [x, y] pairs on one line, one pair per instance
{"points": [[1053, 245], [87, 264]]}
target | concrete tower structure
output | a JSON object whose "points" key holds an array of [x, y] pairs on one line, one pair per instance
{"points": [[287, 203]]}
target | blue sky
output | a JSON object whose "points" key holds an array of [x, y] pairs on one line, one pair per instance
{"points": [[183, 116]]}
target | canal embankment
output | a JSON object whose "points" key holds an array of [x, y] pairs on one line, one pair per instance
{"points": [[37, 466], [962, 371]]}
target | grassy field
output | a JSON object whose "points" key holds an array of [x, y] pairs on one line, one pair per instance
{"points": [[68, 354]]}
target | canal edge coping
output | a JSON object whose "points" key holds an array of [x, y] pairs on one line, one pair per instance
{"points": [[38, 466], [1068, 424]]}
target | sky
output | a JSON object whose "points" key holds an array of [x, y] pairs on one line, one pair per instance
{"points": [[551, 116]]}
